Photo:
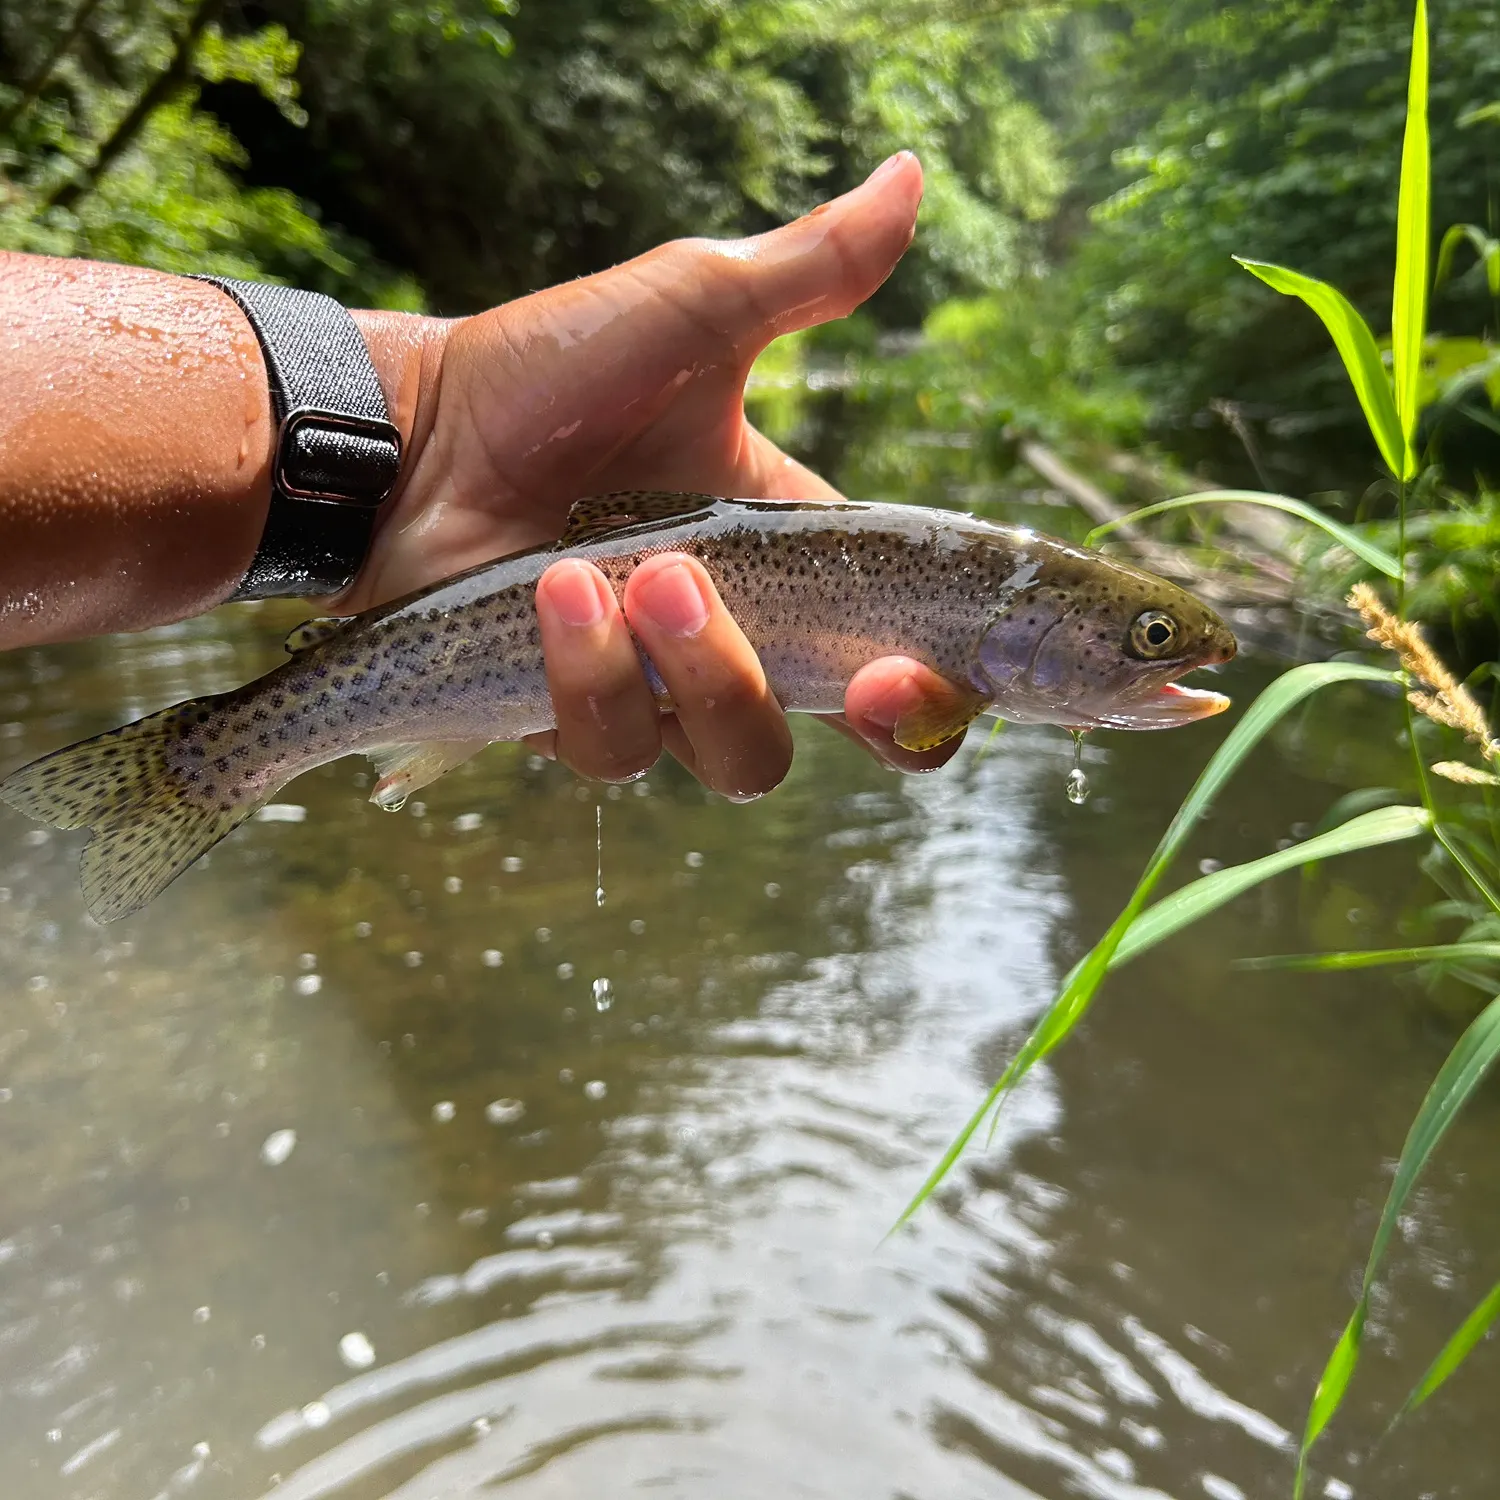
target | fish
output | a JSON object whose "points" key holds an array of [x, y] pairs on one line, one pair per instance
{"points": [[1020, 625]]}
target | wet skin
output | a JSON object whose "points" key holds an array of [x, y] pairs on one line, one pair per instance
{"points": [[135, 444]]}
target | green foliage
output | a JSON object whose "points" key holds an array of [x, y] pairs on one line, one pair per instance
{"points": [[1356, 542], [1062, 1016]]}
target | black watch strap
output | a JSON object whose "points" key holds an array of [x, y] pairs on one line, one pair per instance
{"points": [[338, 455]]}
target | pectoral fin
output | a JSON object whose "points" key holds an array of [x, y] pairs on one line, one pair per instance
{"points": [[402, 769], [935, 721]]}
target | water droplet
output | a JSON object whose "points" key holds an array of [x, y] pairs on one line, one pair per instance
{"points": [[604, 995], [443, 1111], [277, 1147], [258, 1342], [356, 1351], [481, 1426], [307, 961], [544, 934], [637, 926], [492, 958], [201, 1315], [412, 960], [316, 1414], [362, 929], [419, 809], [453, 885], [394, 805], [511, 863], [565, 971], [693, 860], [772, 889], [565, 1075], [54, 1434], [1078, 787], [1208, 866], [467, 822], [504, 1111], [599, 853], [595, 1088], [309, 984]]}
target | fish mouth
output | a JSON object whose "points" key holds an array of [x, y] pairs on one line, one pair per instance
{"points": [[1170, 705]]}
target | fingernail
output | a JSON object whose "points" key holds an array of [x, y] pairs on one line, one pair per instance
{"points": [[895, 701], [888, 166], [673, 600], [573, 592]]}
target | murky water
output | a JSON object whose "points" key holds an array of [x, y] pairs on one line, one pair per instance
{"points": [[332, 1174]]}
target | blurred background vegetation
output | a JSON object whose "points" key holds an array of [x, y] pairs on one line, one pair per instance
{"points": [[1091, 167]]}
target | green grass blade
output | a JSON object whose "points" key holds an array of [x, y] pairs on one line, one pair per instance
{"points": [[1367, 552], [1370, 958], [1454, 1352], [1413, 246], [1457, 1079], [1184, 907], [1456, 234], [1081, 985], [1356, 346]]}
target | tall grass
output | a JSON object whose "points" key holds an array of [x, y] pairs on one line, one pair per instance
{"points": [[1462, 855]]}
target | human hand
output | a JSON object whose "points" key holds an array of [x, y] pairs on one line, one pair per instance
{"points": [[634, 379]]}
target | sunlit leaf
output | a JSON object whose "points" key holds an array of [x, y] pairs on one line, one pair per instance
{"points": [[1413, 231], [1356, 346], [1370, 958], [1455, 1351], [1366, 551], [1485, 247], [1081, 985], [1183, 907], [1459, 1076]]}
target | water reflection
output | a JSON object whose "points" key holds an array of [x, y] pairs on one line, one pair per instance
{"points": [[352, 1091]]}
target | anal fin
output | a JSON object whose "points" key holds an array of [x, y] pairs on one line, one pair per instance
{"points": [[402, 769]]}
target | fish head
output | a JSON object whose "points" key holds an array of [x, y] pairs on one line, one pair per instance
{"points": [[1092, 643]]}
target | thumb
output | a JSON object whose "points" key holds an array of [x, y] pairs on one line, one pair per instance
{"points": [[815, 269]]}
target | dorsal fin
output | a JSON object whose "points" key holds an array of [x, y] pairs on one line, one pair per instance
{"points": [[598, 515], [315, 632]]}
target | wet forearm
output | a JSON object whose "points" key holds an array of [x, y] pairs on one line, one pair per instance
{"points": [[135, 443]]}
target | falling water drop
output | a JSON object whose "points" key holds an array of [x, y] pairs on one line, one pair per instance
{"points": [[604, 994], [598, 854], [1077, 783], [395, 805]]}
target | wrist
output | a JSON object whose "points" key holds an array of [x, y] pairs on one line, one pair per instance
{"points": [[407, 351]]}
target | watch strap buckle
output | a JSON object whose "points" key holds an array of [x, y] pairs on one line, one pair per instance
{"points": [[336, 457]]}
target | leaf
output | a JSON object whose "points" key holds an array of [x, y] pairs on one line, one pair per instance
{"points": [[1457, 1079], [1413, 246], [1184, 907], [1082, 983], [1370, 958], [1454, 1352], [1367, 552], [1356, 346], [1485, 248]]}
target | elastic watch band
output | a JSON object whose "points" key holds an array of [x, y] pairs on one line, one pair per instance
{"points": [[338, 455]]}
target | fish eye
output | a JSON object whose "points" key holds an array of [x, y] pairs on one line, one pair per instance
{"points": [[1153, 634]]}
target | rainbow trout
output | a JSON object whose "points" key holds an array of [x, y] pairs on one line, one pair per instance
{"points": [[1021, 625]]}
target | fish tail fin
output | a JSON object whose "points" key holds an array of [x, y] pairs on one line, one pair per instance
{"points": [[148, 823]]}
